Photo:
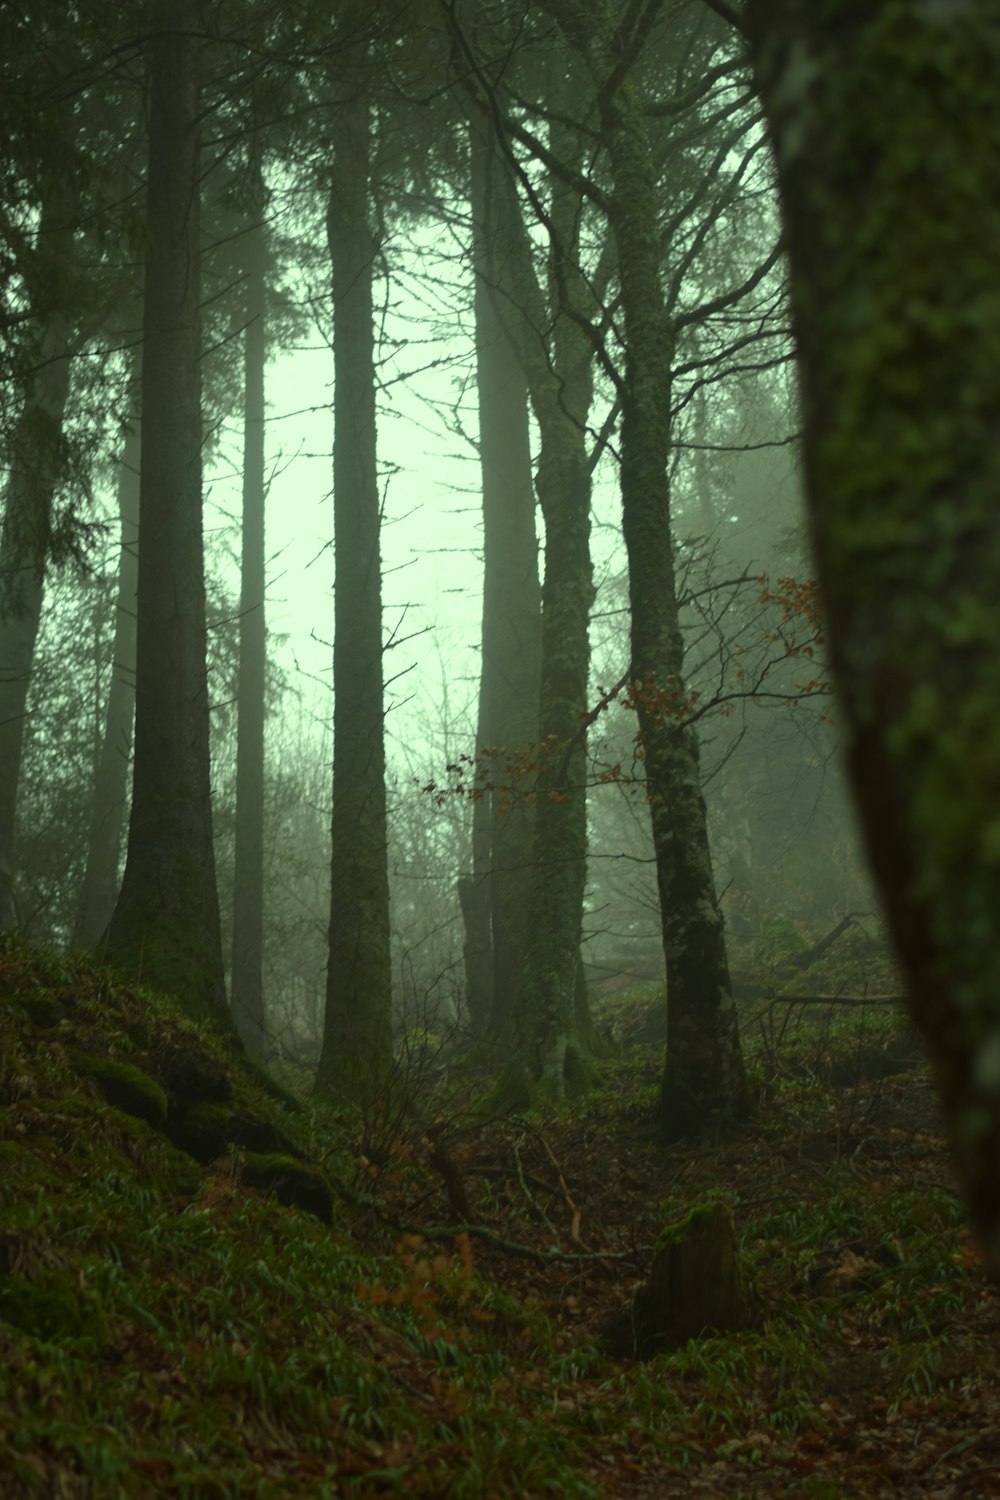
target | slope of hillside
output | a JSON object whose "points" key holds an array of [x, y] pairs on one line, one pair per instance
{"points": [[206, 1292]]}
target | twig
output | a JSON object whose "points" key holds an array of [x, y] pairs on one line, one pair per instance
{"points": [[837, 1000], [545, 1257], [808, 958], [539, 1210], [574, 1227]]}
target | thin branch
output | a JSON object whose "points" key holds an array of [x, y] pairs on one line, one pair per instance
{"points": [[736, 294], [729, 14]]}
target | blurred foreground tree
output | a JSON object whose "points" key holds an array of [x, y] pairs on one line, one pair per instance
{"points": [[886, 137]]}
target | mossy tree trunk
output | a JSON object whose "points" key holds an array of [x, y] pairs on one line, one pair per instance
{"points": [[357, 1036], [247, 977], [511, 641], [114, 759], [886, 136], [165, 927], [704, 1086]]}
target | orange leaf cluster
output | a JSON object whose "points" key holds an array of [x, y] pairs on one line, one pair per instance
{"points": [[431, 1282]]}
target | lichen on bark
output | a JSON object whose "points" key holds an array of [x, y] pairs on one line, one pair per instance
{"points": [[886, 139]]}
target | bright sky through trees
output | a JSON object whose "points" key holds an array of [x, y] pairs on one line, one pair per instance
{"points": [[431, 536]]}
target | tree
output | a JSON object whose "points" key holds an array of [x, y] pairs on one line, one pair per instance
{"points": [[248, 878], [357, 1034], [66, 228], [550, 333], [704, 1086], [99, 888], [886, 136], [508, 697], [38, 465], [165, 926]]}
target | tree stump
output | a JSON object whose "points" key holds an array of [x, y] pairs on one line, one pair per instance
{"points": [[694, 1288]]}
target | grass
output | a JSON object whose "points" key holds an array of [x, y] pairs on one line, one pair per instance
{"points": [[168, 1329]]}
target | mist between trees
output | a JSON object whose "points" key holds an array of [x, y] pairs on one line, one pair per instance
{"points": [[547, 245]]}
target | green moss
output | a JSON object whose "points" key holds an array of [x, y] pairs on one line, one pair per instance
{"points": [[204, 1131], [701, 1217], [126, 1087], [294, 1183], [195, 1074], [207, 1131], [173, 955]]}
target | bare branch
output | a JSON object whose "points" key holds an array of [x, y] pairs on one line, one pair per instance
{"points": [[729, 14]]}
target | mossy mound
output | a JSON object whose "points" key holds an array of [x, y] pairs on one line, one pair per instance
{"points": [[99, 1059], [294, 1183], [208, 1131], [125, 1086], [167, 1326], [189, 1072]]}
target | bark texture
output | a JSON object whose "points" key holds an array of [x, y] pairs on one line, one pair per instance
{"points": [[357, 1040], [165, 927], [886, 138]]}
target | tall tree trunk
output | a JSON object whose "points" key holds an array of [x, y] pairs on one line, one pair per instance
{"points": [[248, 877], [704, 1085], [107, 821], [552, 1016], [165, 925], [37, 464], [886, 136], [508, 704], [357, 1034]]}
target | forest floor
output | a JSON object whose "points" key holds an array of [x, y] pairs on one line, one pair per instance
{"points": [[166, 1329]]}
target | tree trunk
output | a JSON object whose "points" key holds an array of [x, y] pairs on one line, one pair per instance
{"points": [[165, 927], [886, 137], [694, 1289], [553, 1029], [704, 1086], [111, 781], [37, 463], [477, 947], [357, 1035], [248, 876], [508, 705]]}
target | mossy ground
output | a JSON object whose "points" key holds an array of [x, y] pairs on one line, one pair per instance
{"points": [[168, 1329]]}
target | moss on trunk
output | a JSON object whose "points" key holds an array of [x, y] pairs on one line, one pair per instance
{"points": [[886, 137]]}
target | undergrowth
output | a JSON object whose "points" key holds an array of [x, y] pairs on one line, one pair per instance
{"points": [[168, 1329]]}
